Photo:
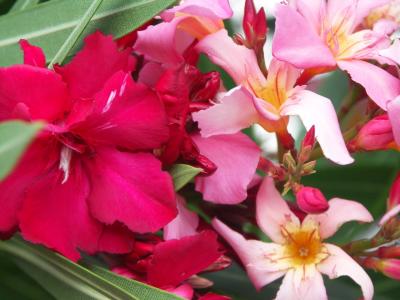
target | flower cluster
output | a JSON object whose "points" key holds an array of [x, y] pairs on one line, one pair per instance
{"points": [[122, 113]]}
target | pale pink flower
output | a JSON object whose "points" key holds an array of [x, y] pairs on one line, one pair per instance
{"points": [[297, 251], [385, 18], [268, 101], [324, 34]]}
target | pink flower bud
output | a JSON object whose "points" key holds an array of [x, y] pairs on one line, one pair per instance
{"points": [[309, 138], [311, 200], [390, 267], [389, 252], [254, 25], [394, 195], [377, 134]]}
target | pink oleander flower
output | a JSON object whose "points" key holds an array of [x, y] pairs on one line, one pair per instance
{"points": [[297, 250], [193, 19], [90, 178], [320, 35], [268, 101], [385, 18], [311, 200]]}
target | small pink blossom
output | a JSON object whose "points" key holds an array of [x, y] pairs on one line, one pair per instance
{"points": [[297, 250]]}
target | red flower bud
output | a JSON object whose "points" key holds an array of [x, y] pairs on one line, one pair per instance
{"points": [[377, 134], [389, 252], [390, 267], [311, 200], [309, 138]]}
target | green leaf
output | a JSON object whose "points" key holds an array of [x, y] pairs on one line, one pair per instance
{"points": [[23, 4], [140, 290], [75, 34], [67, 280], [15, 136], [49, 24], [182, 174]]}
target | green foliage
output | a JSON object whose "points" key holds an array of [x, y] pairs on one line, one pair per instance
{"points": [[49, 24], [15, 136], [182, 174]]}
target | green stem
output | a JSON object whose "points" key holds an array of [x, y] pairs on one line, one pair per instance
{"points": [[75, 34]]}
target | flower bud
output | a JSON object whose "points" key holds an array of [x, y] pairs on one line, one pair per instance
{"points": [[377, 134], [311, 200], [390, 267], [389, 252], [394, 195], [309, 138]]}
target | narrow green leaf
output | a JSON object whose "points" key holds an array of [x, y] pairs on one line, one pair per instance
{"points": [[23, 4], [67, 280], [15, 136], [140, 290], [75, 34], [49, 24], [182, 174]]}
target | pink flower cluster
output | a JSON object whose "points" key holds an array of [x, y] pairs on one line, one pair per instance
{"points": [[120, 114]]}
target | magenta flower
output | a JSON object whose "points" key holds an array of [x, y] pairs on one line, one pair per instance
{"points": [[323, 34], [90, 177], [267, 101], [297, 251]]}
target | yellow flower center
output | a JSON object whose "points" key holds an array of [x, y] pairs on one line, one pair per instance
{"points": [[303, 244]]}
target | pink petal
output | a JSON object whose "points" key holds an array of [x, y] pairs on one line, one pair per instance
{"points": [[151, 73], [57, 216], [176, 260], [305, 50], [258, 257], [132, 189], [394, 117], [116, 239], [89, 70], [185, 223], [312, 10], [340, 211], [164, 42], [213, 9], [296, 286], [393, 52], [379, 84], [37, 159], [236, 157], [304, 104], [41, 91], [124, 114], [33, 55], [240, 62], [185, 291], [339, 263], [234, 112], [272, 211]]}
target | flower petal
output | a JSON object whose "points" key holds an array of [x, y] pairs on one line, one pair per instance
{"points": [[379, 84], [176, 260], [229, 183], [88, 70], [304, 104], [42, 92], [240, 62], [185, 223], [234, 112], [305, 50], [33, 55], [164, 42], [124, 114], [260, 259], [296, 286], [132, 189], [57, 216], [394, 117], [393, 52], [340, 211], [116, 239], [272, 211], [339, 263]]}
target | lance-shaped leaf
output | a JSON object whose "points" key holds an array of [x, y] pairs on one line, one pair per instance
{"points": [[15, 136], [49, 24]]}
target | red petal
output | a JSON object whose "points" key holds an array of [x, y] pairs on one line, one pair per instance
{"points": [[116, 238], [132, 189], [57, 216], [176, 260], [33, 55], [94, 64]]}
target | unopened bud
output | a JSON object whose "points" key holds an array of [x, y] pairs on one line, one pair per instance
{"points": [[311, 200], [394, 195], [309, 138], [377, 134], [389, 267], [389, 252]]}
